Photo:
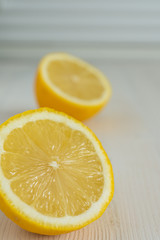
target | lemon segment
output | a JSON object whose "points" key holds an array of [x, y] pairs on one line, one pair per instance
{"points": [[71, 85], [54, 174]]}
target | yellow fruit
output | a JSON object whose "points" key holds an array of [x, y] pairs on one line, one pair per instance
{"points": [[68, 84], [55, 177]]}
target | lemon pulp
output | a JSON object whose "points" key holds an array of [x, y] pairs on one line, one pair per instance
{"points": [[52, 168], [75, 80]]}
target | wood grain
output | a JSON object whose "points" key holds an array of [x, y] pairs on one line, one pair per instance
{"points": [[129, 129]]}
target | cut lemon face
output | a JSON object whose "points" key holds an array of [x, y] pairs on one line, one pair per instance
{"points": [[55, 176], [68, 84]]}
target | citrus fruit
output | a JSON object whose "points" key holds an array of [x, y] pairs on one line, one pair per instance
{"points": [[55, 177], [71, 85]]}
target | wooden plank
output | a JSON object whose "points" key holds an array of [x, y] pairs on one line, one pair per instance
{"points": [[129, 131]]}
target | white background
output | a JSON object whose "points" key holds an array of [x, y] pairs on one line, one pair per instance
{"points": [[87, 28]]}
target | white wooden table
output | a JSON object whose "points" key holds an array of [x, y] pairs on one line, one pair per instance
{"points": [[129, 129]]}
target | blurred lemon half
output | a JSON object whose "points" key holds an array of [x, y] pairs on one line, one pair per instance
{"points": [[71, 85]]}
